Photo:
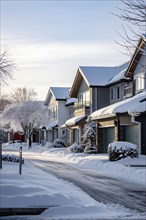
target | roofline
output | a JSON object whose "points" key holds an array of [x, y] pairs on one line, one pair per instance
{"points": [[119, 81], [72, 94], [104, 116], [88, 84], [46, 102], [141, 43]]}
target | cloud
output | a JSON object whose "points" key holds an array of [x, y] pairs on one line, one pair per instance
{"points": [[29, 54], [41, 65]]}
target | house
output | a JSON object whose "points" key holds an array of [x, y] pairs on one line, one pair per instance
{"points": [[125, 118], [57, 113], [91, 91]]}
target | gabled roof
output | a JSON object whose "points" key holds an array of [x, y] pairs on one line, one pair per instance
{"points": [[95, 76], [59, 93], [136, 56]]}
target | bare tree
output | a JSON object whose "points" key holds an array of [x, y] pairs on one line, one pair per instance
{"points": [[24, 94], [134, 14], [7, 67], [4, 101]]}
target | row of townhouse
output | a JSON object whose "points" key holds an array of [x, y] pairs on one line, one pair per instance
{"points": [[113, 97]]}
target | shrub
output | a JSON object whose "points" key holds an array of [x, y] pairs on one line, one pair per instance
{"points": [[11, 158], [121, 149], [58, 143], [76, 148]]}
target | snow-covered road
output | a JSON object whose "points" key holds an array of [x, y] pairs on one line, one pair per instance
{"points": [[98, 186]]}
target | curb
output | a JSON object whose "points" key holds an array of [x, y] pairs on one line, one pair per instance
{"points": [[21, 211], [137, 165]]}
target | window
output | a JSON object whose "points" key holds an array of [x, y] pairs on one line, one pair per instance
{"points": [[52, 112], [140, 82], [80, 98], [112, 94], [115, 93], [118, 92], [84, 97], [128, 89]]}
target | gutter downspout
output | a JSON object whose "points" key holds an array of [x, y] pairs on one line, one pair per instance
{"points": [[139, 131]]}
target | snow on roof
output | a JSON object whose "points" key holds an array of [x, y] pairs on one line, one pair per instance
{"points": [[52, 125], [74, 120], [60, 92], [141, 107], [95, 76], [131, 105], [70, 101], [119, 76]]}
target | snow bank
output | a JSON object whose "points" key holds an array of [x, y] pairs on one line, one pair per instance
{"points": [[101, 163], [63, 199]]}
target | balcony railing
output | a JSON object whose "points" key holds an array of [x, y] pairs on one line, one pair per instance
{"points": [[81, 106]]}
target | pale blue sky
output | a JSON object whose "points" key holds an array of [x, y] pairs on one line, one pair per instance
{"points": [[50, 39]]}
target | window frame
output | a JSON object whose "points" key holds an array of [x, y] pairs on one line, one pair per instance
{"points": [[140, 82]]}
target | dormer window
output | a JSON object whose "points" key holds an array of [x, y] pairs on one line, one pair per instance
{"points": [[140, 82]]}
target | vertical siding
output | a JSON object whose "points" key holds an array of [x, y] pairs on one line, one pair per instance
{"points": [[100, 98], [63, 116]]}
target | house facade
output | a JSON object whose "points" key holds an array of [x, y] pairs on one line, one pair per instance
{"points": [[91, 92], [57, 113], [125, 118]]}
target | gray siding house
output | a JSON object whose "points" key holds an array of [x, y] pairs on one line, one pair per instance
{"points": [[125, 118], [91, 91]]}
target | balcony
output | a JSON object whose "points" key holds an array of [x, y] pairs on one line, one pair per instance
{"points": [[81, 109]]}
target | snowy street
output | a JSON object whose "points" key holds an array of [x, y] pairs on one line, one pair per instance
{"points": [[73, 186], [95, 184]]}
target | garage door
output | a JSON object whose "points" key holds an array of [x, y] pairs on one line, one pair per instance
{"points": [[132, 134], [109, 134]]}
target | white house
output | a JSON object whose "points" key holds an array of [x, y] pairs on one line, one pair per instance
{"points": [[58, 113]]}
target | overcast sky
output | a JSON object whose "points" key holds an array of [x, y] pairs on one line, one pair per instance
{"points": [[49, 39]]}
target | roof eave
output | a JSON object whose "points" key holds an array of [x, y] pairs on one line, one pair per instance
{"points": [[136, 57]]}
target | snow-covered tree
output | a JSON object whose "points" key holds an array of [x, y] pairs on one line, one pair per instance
{"points": [[89, 133], [25, 116]]}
